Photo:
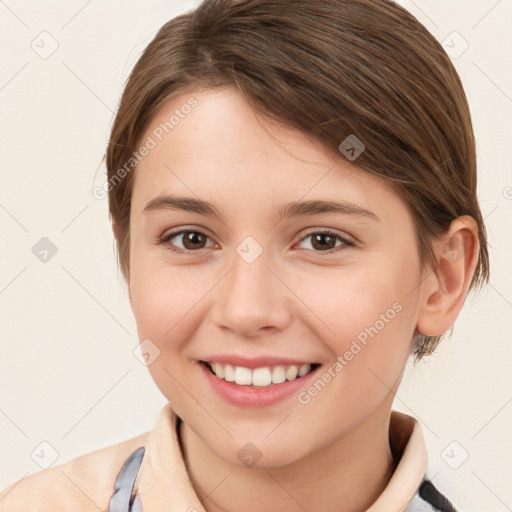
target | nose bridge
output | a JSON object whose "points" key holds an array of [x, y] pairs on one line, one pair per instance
{"points": [[250, 277], [250, 296]]}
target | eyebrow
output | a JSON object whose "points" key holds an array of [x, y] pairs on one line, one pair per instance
{"points": [[292, 209]]}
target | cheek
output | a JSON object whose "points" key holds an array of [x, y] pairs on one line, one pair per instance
{"points": [[164, 303], [367, 319], [163, 296]]}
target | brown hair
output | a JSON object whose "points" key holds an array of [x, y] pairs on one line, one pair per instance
{"points": [[330, 69]]}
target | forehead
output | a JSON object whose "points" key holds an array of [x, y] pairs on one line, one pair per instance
{"points": [[210, 143]]}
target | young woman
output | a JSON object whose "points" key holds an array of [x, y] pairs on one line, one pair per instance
{"points": [[292, 187]]}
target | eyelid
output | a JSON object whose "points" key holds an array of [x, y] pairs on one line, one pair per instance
{"points": [[165, 239], [344, 237]]}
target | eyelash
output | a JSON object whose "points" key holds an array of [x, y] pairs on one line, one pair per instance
{"points": [[166, 238]]}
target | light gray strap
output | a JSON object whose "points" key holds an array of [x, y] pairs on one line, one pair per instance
{"points": [[123, 488], [137, 505]]}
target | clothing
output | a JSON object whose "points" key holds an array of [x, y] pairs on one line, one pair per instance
{"points": [[148, 474]]}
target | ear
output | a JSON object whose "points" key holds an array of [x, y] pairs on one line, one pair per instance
{"points": [[117, 235], [446, 287]]}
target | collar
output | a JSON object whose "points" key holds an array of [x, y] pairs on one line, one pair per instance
{"points": [[164, 484]]}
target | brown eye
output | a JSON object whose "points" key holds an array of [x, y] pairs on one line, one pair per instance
{"points": [[191, 240], [325, 241]]}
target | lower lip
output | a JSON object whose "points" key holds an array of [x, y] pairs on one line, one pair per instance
{"points": [[253, 396]]}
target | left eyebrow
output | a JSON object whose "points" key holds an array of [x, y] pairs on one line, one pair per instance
{"points": [[315, 207], [292, 209]]}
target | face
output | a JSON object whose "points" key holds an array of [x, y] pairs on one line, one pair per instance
{"points": [[244, 281]]}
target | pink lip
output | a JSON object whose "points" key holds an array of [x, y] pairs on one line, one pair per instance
{"points": [[253, 396], [254, 362]]}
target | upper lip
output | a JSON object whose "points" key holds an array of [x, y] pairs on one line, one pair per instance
{"points": [[254, 362]]}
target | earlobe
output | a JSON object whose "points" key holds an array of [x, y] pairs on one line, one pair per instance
{"points": [[445, 288]]}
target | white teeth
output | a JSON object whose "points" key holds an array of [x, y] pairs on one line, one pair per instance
{"points": [[260, 377], [278, 375], [291, 372], [218, 370], [304, 369], [229, 373], [243, 376]]}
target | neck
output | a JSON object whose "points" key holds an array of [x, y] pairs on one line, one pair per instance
{"points": [[347, 475]]}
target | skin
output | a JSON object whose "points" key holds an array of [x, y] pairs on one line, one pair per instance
{"points": [[293, 300]]}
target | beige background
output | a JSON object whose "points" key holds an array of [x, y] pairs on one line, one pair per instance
{"points": [[68, 376]]}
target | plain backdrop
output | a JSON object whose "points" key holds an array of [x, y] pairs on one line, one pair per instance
{"points": [[69, 378]]}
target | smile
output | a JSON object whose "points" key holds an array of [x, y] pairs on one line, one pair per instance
{"points": [[259, 377]]}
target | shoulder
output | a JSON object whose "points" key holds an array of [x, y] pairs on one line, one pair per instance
{"points": [[84, 483]]}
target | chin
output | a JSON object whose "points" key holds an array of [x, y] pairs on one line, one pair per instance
{"points": [[258, 453]]}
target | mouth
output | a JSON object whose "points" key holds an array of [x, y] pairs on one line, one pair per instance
{"points": [[262, 377]]}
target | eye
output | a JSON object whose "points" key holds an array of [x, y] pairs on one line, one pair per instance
{"points": [[192, 240], [325, 241]]}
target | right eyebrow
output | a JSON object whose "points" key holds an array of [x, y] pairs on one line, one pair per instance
{"points": [[187, 204], [291, 209]]}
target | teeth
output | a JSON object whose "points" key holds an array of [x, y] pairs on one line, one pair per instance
{"points": [[278, 375], [229, 373], [218, 370], [304, 369], [291, 372], [243, 376], [260, 377]]}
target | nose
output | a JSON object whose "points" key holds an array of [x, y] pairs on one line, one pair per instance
{"points": [[251, 300]]}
